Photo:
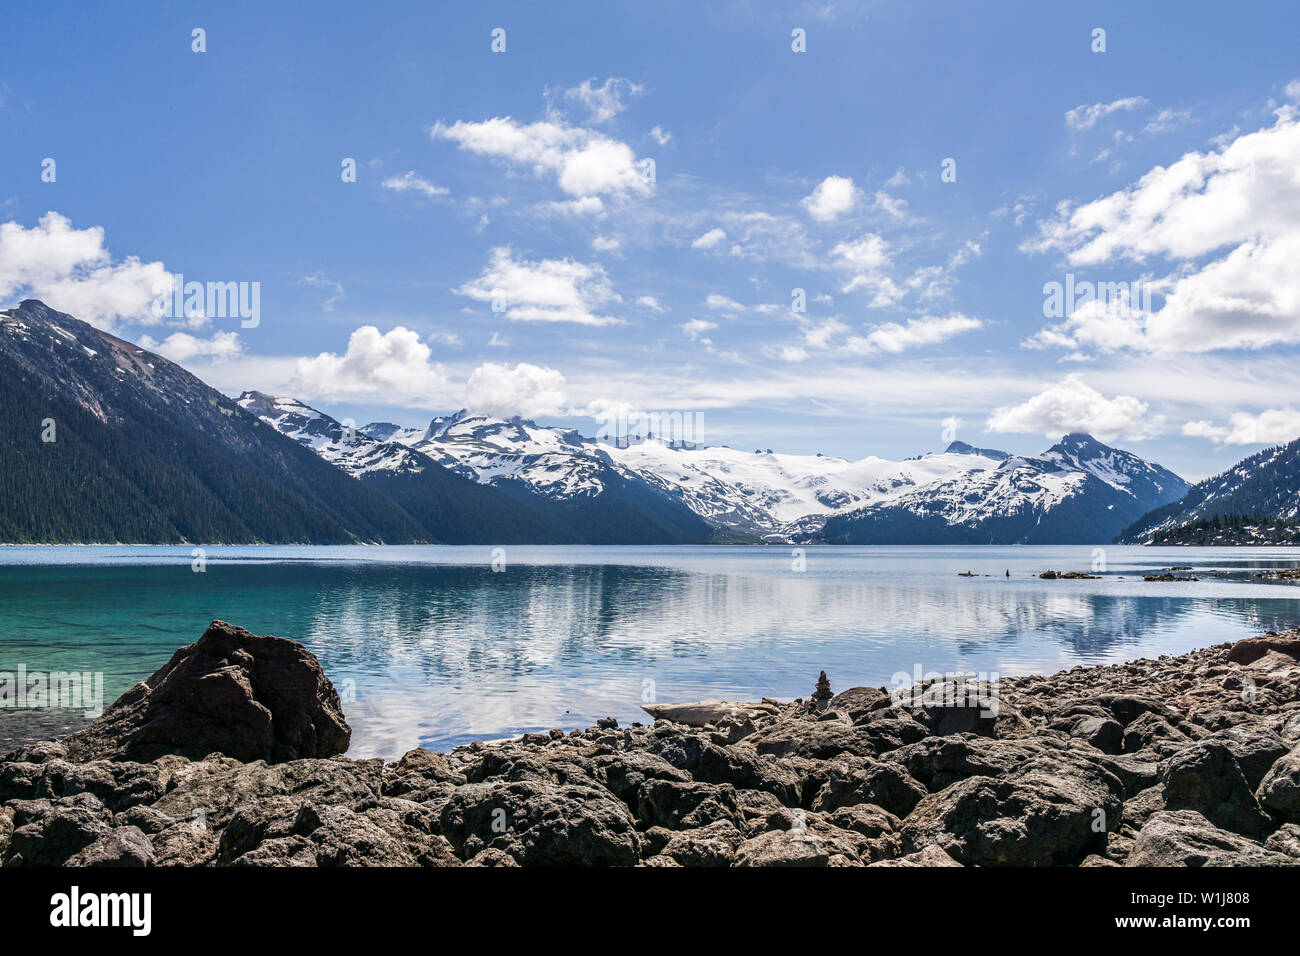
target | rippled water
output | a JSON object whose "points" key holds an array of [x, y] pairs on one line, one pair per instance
{"points": [[430, 646]]}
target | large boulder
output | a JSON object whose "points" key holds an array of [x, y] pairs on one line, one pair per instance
{"points": [[541, 824], [231, 692], [1280, 789], [1186, 838], [1251, 649], [1052, 811], [1206, 778]]}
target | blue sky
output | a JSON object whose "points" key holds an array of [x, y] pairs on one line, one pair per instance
{"points": [[517, 180]]}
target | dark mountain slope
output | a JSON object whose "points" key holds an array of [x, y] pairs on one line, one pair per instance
{"points": [[1264, 485], [145, 452]]}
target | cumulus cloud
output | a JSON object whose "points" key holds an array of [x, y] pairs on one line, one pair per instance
{"points": [[661, 135], [1072, 405], [832, 197], [1086, 117], [710, 239], [895, 337], [865, 262], [721, 303], [1271, 427], [552, 290], [695, 329], [410, 181], [71, 270], [1228, 221], [585, 163], [604, 102], [394, 363], [606, 244], [181, 346], [525, 390], [651, 303]]}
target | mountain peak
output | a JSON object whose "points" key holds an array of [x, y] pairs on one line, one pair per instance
{"points": [[961, 448]]}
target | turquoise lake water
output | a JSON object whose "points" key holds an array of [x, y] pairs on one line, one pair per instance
{"points": [[430, 646]]}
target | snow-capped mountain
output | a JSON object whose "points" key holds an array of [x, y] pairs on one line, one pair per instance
{"points": [[1079, 491], [751, 494], [1264, 485], [490, 480], [786, 497], [350, 449]]}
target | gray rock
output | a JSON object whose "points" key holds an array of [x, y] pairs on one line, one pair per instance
{"points": [[1255, 747], [1186, 838], [714, 845], [1104, 733], [1053, 810], [1205, 777], [684, 806], [231, 692], [783, 848], [124, 846], [187, 843], [48, 832], [926, 856], [294, 851], [1280, 789], [1285, 840], [542, 823], [1151, 732], [701, 712], [886, 785]]}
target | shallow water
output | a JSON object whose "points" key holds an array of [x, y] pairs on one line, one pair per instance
{"points": [[431, 646]]}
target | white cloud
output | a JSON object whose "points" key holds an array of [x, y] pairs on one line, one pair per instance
{"points": [[1072, 405], [1243, 198], [1166, 120], [441, 337], [661, 135], [695, 329], [833, 196], [1086, 117], [893, 337], [71, 270], [525, 390], [584, 163], [891, 204], [866, 261], [552, 290], [606, 244], [604, 102], [650, 302], [394, 363], [709, 239], [410, 181], [1292, 91], [721, 303], [1271, 427], [321, 281], [181, 346]]}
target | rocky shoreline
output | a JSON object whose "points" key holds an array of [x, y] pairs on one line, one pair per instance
{"points": [[231, 755]]}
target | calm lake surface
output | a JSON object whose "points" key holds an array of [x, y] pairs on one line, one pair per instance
{"points": [[430, 646]]}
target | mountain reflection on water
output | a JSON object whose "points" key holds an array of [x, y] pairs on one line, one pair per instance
{"points": [[431, 646]]}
